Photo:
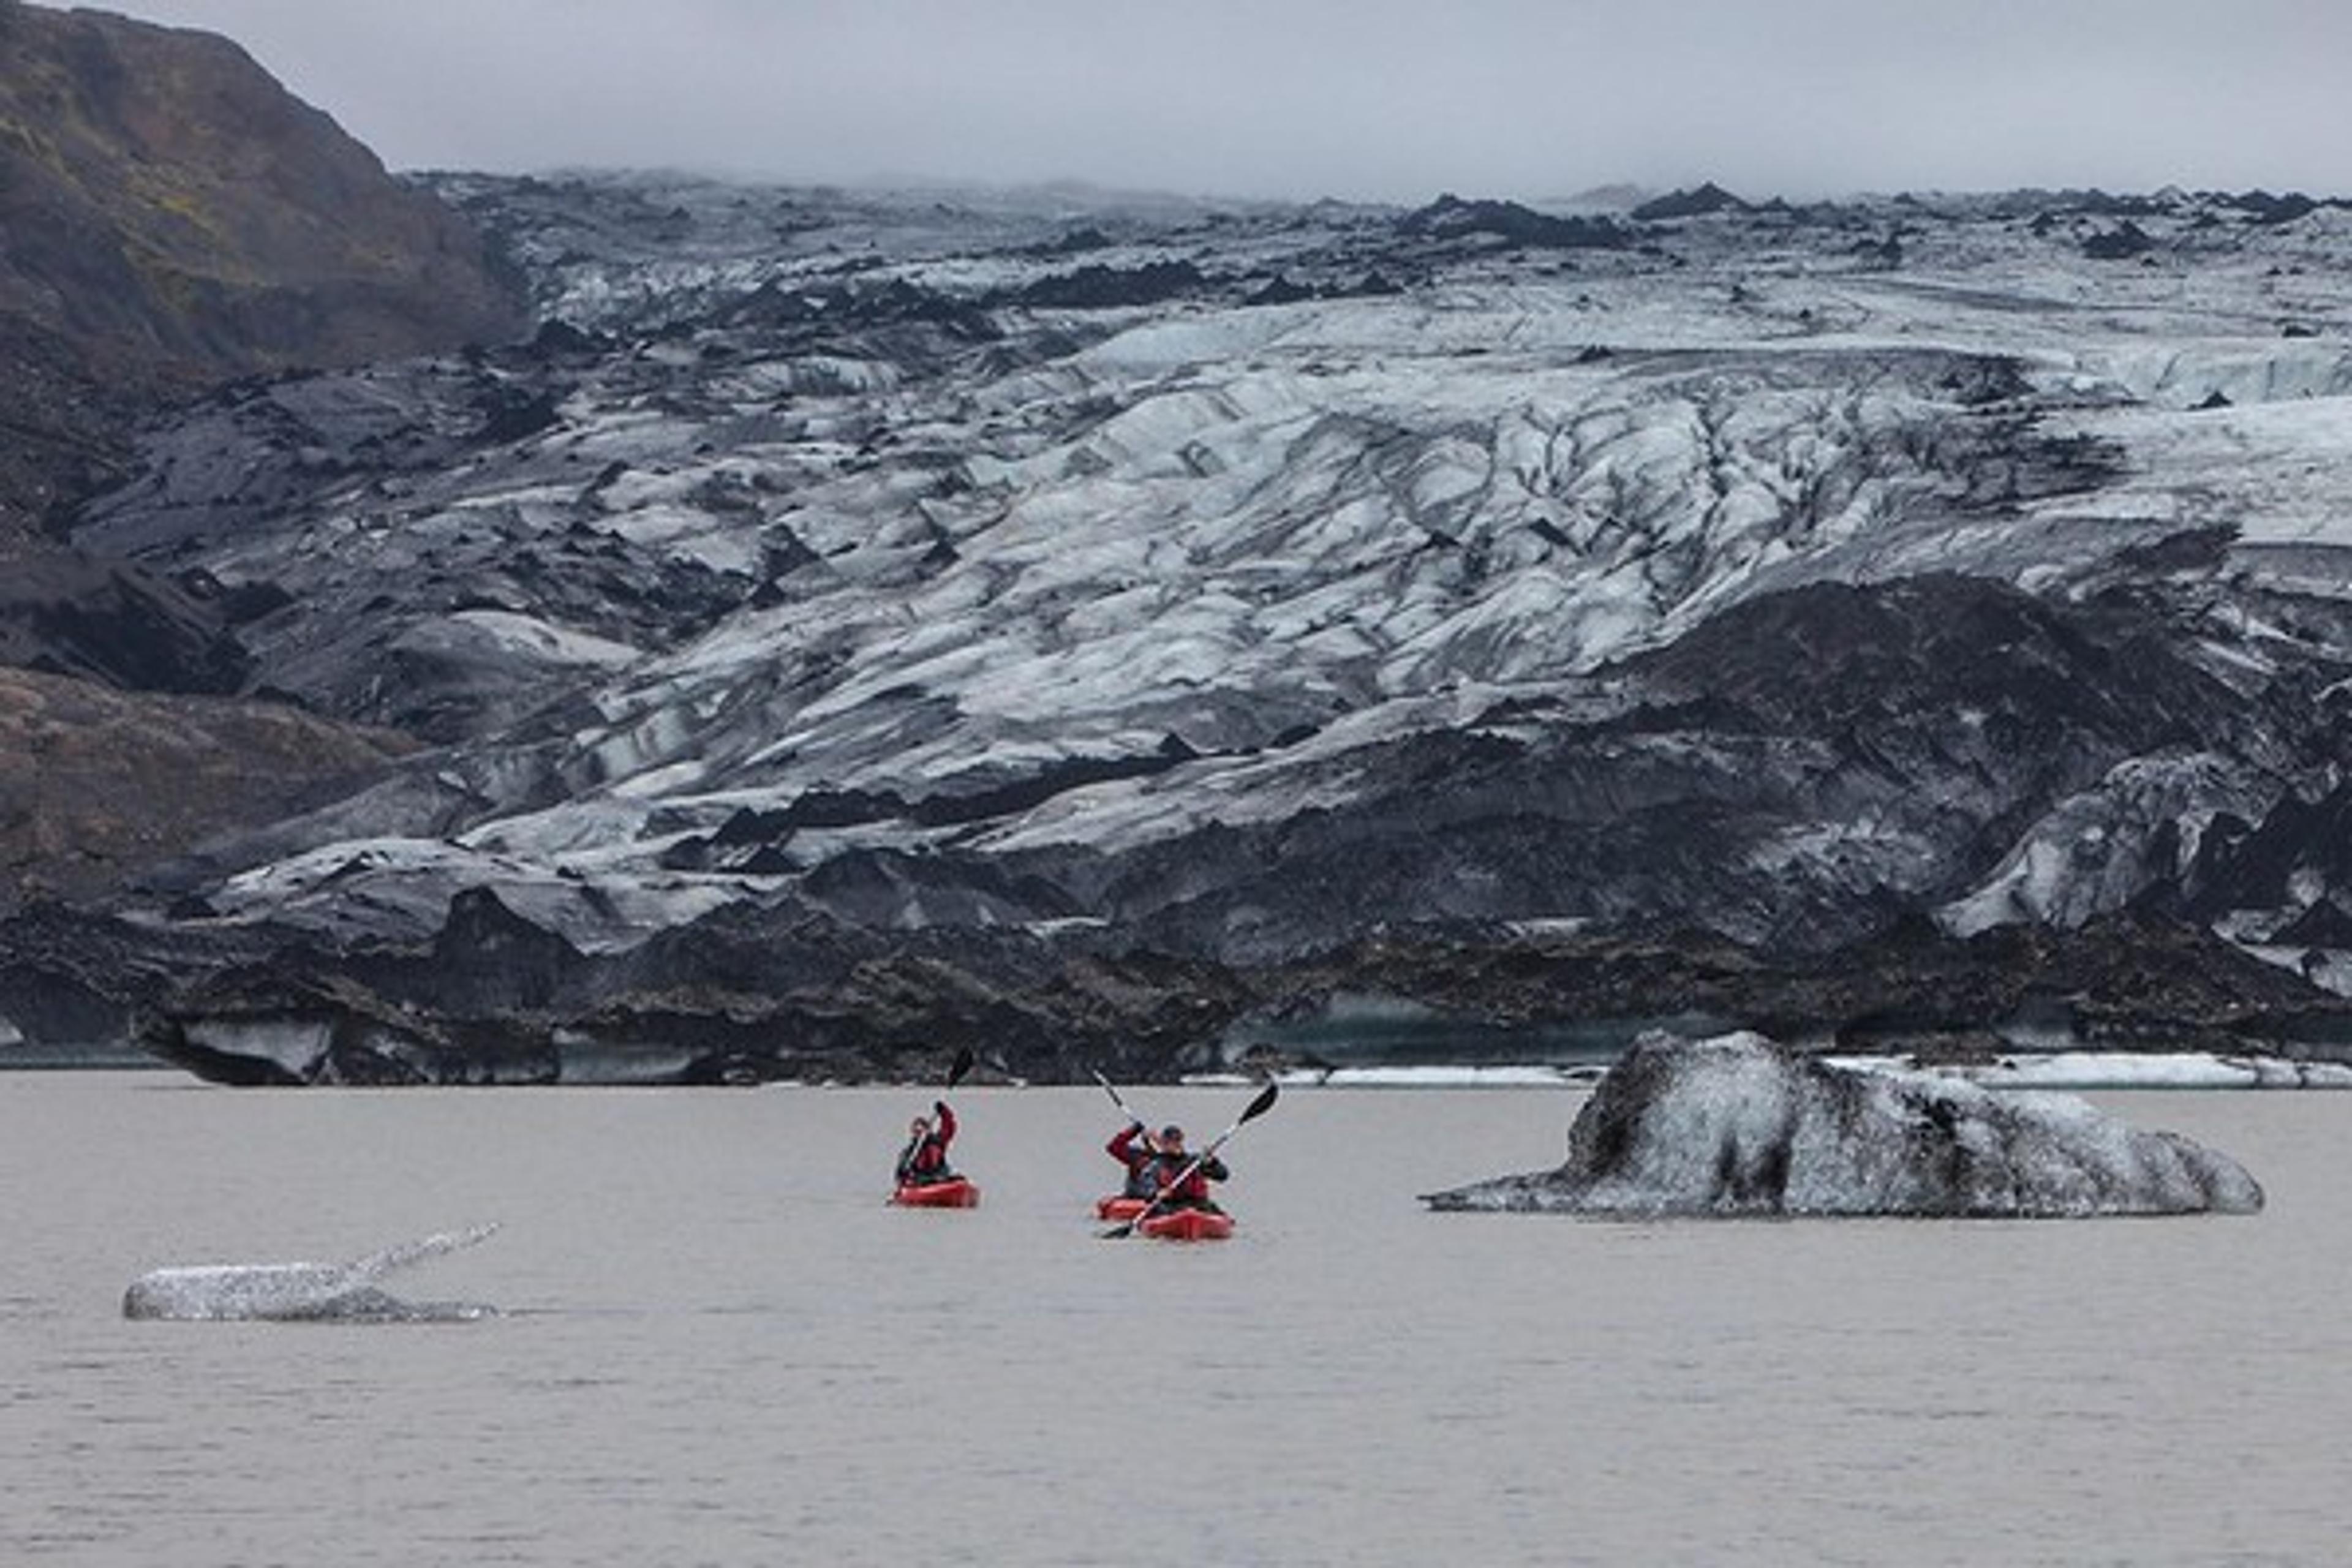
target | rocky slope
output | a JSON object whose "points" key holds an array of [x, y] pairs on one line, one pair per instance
{"points": [[171, 219], [862, 620], [170, 216], [168, 200], [69, 819]]}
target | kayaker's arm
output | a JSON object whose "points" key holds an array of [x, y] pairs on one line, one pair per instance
{"points": [[1123, 1147]]}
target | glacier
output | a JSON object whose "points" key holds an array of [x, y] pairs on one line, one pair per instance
{"points": [[1233, 582]]}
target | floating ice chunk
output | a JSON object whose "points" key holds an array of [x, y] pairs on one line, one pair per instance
{"points": [[1738, 1126], [305, 1292]]}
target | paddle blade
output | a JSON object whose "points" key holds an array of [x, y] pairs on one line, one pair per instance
{"points": [[1111, 1089], [963, 1060], [1262, 1104]]}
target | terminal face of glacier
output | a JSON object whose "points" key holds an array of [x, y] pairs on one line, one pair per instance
{"points": [[1740, 1127]]}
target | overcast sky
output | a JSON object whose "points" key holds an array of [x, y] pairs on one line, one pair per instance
{"points": [[1391, 99]]}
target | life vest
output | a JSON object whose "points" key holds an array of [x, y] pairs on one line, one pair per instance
{"points": [[1181, 1185], [923, 1160]]}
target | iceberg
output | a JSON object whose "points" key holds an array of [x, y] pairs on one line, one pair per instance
{"points": [[1738, 1126], [302, 1292]]}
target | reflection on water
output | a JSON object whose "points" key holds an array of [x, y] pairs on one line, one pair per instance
{"points": [[716, 1343]]}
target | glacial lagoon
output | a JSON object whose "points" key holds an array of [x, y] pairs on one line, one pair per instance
{"points": [[713, 1342]]}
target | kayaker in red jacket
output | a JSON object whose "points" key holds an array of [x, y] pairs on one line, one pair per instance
{"points": [[1161, 1169], [924, 1159], [1133, 1149]]}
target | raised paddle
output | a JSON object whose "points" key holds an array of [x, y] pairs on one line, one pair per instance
{"points": [[1256, 1109], [1134, 1171], [1115, 1100]]}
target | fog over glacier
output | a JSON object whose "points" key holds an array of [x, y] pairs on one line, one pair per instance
{"points": [[1359, 99]]}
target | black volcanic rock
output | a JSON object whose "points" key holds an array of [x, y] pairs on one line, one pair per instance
{"points": [[1153, 1014], [68, 614], [278, 1028], [1099, 288], [1938, 708], [1280, 290], [2244, 866], [835, 311], [737, 999], [746, 996], [1830, 656], [2121, 243], [487, 958], [2265, 208], [512, 412], [1452, 217], [1699, 201]]}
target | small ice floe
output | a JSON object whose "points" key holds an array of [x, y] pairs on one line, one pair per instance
{"points": [[1738, 1126], [302, 1292]]}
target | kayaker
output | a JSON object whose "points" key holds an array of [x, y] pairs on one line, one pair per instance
{"points": [[1164, 1172], [924, 1159], [1133, 1148], [1184, 1182]]}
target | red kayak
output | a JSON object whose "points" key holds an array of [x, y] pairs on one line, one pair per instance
{"points": [[1187, 1224], [955, 1193], [1115, 1207]]}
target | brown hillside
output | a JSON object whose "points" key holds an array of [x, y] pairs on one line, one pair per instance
{"points": [[96, 783], [170, 216]]}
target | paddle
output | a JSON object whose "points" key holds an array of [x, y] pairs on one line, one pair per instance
{"points": [[1134, 1172], [1256, 1109], [1115, 1100]]}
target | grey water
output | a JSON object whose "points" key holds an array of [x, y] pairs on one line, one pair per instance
{"points": [[716, 1344]]}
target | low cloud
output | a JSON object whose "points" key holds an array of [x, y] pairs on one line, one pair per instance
{"points": [[1372, 99]]}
